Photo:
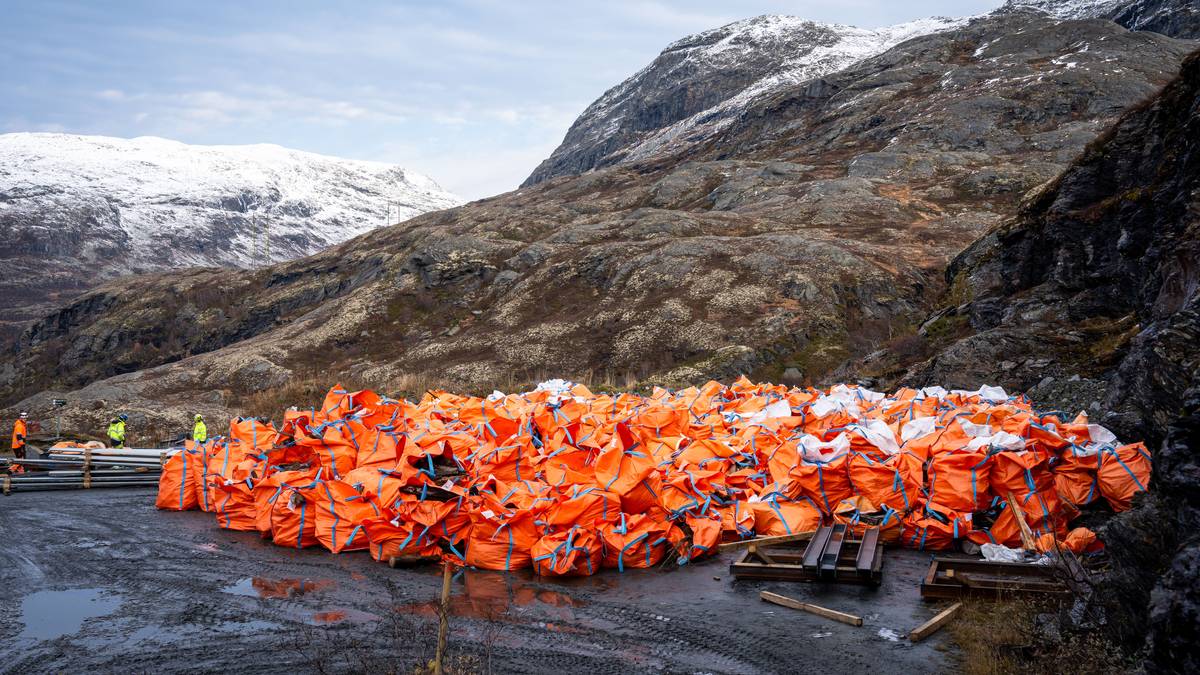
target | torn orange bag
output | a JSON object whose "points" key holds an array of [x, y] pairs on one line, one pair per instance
{"points": [[575, 552], [637, 541]]}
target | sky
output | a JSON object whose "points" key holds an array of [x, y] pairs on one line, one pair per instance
{"points": [[473, 93]]}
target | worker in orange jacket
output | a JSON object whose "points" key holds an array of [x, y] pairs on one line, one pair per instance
{"points": [[19, 434]]}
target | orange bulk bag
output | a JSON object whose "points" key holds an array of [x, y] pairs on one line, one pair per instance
{"points": [[934, 527], [1078, 487], [1079, 540], [198, 473], [958, 480], [267, 490], [858, 514], [1021, 471], [392, 538], [775, 517], [235, 504], [1123, 472], [340, 512], [623, 463], [894, 482], [293, 515], [176, 489], [581, 506], [575, 552], [637, 541], [825, 481], [706, 535], [501, 541]]}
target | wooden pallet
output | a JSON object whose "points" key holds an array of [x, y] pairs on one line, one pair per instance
{"points": [[958, 577], [830, 555]]}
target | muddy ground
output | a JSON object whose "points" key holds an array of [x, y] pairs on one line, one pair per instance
{"points": [[101, 581]]}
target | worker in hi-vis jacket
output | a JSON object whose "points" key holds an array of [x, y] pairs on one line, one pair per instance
{"points": [[116, 431], [199, 431], [20, 431]]}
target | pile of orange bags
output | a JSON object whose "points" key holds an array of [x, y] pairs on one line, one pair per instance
{"points": [[570, 482]]}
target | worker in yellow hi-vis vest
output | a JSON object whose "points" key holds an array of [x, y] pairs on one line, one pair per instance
{"points": [[116, 431], [199, 431]]}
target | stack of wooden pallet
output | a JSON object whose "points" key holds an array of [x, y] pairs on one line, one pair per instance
{"points": [[829, 554]]}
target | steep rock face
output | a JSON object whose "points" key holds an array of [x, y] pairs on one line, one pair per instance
{"points": [[1097, 277], [75, 210], [1090, 298], [800, 249]]}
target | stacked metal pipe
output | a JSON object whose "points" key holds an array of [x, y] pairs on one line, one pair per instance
{"points": [[75, 469]]}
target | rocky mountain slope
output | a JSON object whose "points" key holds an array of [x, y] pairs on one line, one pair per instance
{"points": [[814, 229], [719, 70], [1090, 298], [75, 210], [704, 83]]}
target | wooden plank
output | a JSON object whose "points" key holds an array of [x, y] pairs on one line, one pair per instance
{"points": [[1026, 534], [935, 624], [785, 601], [767, 541], [865, 561], [761, 554], [833, 551], [816, 548]]}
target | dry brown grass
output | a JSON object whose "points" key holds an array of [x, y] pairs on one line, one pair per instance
{"points": [[1004, 637]]}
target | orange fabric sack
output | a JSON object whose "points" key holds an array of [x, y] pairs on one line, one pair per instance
{"points": [[176, 489], [501, 542], [958, 480], [198, 473], [235, 499], [776, 517], [340, 512], [1079, 540], [1122, 473], [859, 515], [894, 482], [396, 537], [934, 527], [822, 472], [585, 507], [1078, 487], [293, 515], [573, 553], [1020, 472], [637, 541]]}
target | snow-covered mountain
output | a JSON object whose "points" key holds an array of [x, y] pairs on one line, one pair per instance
{"points": [[697, 83], [78, 209], [700, 85]]}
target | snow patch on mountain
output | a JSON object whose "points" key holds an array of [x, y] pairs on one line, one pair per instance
{"points": [[849, 46], [1069, 9], [149, 203], [697, 82]]}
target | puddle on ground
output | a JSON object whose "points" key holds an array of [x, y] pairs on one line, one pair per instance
{"points": [[259, 587], [48, 615], [340, 615], [491, 595]]}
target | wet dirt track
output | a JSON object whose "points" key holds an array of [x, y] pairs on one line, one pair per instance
{"points": [[101, 581]]}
